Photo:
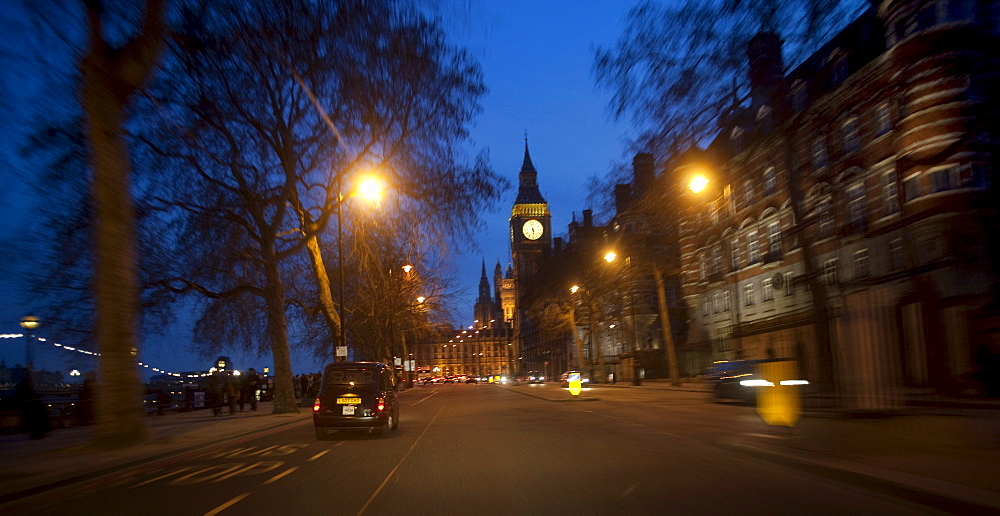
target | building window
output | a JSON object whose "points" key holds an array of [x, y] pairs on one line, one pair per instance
{"points": [[890, 192], [748, 191], [799, 97], [911, 188], [704, 306], [825, 214], [748, 294], [767, 291], [856, 206], [774, 238], [753, 248], [830, 272], [789, 277], [735, 250], [764, 118], [725, 301], [770, 181], [896, 261], [861, 264], [736, 136], [841, 69], [942, 179], [851, 135], [883, 119], [703, 267], [819, 159], [717, 260], [715, 303]]}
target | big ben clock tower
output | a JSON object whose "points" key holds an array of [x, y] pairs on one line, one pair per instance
{"points": [[530, 243]]}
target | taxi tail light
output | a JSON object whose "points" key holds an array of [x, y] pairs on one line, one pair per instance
{"points": [[381, 404], [316, 405]]}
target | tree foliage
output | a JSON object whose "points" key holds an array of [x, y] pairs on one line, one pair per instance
{"points": [[677, 65]]}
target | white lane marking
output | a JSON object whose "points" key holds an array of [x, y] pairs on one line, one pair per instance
{"points": [[424, 398], [400, 463], [172, 473], [318, 455], [282, 474], [226, 505]]}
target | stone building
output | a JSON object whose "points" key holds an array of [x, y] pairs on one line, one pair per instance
{"points": [[852, 222]]}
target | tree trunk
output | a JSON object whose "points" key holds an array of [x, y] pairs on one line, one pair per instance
{"points": [[118, 408], [109, 77], [326, 303], [277, 329], [665, 327]]}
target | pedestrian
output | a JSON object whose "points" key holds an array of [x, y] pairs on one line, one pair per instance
{"points": [[244, 389], [253, 385], [34, 414], [216, 392], [85, 400], [162, 402], [232, 391]]}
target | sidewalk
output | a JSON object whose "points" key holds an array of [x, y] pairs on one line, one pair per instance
{"points": [[29, 467], [940, 456]]}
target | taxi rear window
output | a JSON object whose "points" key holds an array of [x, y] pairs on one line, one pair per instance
{"points": [[347, 376]]}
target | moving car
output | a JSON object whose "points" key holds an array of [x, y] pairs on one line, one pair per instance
{"points": [[535, 377], [739, 380], [356, 396]]}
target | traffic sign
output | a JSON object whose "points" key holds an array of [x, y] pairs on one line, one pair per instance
{"points": [[575, 384]]}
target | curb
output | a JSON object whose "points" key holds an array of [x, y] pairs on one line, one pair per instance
{"points": [[562, 400], [60, 484], [928, 492]]}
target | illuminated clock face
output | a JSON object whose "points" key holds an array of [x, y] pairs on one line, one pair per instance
{"points": [[532, 229]]}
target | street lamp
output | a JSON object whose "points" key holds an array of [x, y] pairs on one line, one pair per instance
{"points": [[610, 257], [370, 187], [29, 323]]}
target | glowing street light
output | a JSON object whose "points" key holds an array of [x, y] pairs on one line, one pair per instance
{"points": [[698, 183], [610, 256], [29, 323], [370, 187]]}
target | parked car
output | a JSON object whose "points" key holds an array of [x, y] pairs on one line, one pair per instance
{"points": [[356, 396], [535, 377]]}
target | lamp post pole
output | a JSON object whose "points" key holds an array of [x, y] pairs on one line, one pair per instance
{"points": [[340, 269], [29, 323]]}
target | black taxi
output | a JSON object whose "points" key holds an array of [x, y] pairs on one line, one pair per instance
{"points": [[356, 396]]}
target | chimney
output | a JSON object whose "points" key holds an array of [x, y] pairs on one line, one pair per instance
{"points": [[588, 218], [643, 172], [623, 195], [766, 69]]}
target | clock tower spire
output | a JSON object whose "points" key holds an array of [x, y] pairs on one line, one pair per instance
{"points": [[530, 244]]}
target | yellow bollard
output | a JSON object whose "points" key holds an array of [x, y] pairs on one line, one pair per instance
{"points": [[778, 403]]}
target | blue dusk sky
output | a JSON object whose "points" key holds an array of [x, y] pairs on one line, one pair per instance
{"points": [[536, 57]]}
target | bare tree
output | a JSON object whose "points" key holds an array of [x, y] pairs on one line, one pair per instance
{"points": [[272, 110], [111, 75]]}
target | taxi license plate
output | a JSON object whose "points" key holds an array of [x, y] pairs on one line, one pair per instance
{"points": [[348, 401]]}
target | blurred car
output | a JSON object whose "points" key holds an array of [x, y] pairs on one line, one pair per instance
{"points": [[472, 379], [535, 377], [564, 379], [739, 380], [356, 396]]}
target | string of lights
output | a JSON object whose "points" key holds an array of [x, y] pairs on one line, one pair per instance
{"points": [[96, 354]]}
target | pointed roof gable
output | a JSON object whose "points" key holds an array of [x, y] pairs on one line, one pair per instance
{"points": [[528, 192]]}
